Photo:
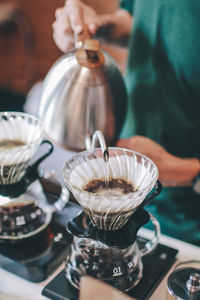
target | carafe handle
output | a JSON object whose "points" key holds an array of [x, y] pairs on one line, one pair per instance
{"points": [[152, 244], [63, 197]]}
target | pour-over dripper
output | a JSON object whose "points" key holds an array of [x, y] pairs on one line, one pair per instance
{"points": [[110, 210], [26, 132]]}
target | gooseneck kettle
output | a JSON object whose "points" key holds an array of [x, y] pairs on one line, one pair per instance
{"points": [[83, 91]]}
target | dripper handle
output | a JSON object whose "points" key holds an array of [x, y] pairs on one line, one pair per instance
{"points": [[34, 168], [157, 190], [152, 244]]}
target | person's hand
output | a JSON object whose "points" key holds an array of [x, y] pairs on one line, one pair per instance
{"points": [[173, 170], [70, 21], [147, 147]]}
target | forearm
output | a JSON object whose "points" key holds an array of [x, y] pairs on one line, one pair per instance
{"points": [[122, 24], [176, 171], [173, 170]]}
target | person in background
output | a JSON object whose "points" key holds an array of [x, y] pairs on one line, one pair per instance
{"points": [[162, 80]]}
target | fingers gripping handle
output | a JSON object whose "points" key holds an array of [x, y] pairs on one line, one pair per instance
{"points": [[82, 36]]}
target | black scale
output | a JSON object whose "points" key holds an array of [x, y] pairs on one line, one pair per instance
{"points": [[156, 265], [37, 257]]}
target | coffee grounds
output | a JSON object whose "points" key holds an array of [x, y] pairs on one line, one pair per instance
{"points": [[9, 144], [97, 185]]}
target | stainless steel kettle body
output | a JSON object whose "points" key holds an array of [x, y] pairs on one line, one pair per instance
{"points": [[84, 91]]}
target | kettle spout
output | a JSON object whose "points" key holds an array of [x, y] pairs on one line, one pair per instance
{"points": [[97, 137]]}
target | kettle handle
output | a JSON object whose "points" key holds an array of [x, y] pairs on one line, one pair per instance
{"points": [[150, 245], [82, 36], [88, 54]]}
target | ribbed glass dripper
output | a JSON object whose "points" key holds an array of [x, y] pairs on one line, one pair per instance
{"points": [[28, 132], [110, 210]]}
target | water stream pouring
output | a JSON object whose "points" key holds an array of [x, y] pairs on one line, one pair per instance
{"points": [[105, 233]]}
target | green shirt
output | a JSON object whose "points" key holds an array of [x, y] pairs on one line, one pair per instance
{"points": [[163, 83]]}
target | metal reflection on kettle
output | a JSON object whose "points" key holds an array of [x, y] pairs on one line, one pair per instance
{"points": [[82, 92]]}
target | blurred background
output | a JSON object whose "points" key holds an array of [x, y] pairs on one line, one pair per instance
{"points": [[27, 49]]}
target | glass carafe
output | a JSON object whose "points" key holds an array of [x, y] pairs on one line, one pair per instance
{"points": [[115, 259]]}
